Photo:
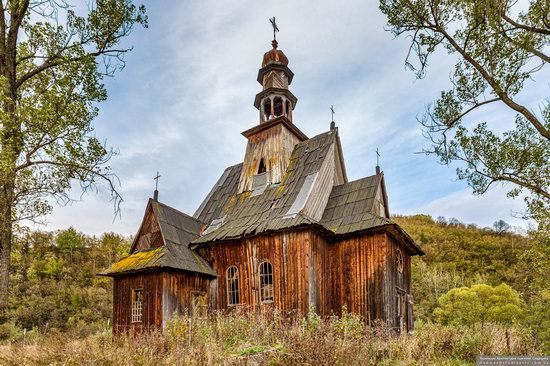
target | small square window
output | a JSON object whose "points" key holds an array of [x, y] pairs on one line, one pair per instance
{"points": [[137, 305]]}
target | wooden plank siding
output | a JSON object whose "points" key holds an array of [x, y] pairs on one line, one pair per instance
{"points": [[289, 254], [274, 146], [164, 293], [149, 235], [178, 288], [151, 283], [358, 273]]}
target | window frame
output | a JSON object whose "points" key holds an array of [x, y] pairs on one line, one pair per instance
{"points": [[136, 311], [265, 281], [399, 260], [233, 296]]}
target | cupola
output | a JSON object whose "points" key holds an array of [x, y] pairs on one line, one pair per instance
{"points": [[275, 100], [271, 142]]}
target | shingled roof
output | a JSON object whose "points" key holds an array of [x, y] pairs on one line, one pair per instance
{"points": [[177, 231], [350, 206], [245, 214]]}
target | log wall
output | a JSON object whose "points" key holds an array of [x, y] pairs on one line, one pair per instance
{"points": [[151, 283], [356, 273], [289, 254], [179, 288], [164, 294]]}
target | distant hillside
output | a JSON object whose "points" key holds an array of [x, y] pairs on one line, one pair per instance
{"points": [[459, 255]]}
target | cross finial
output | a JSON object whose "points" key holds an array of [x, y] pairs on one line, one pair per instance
{"points": [[332, 111], [156, 193], [275, 28], [377, 157], [156, 178]]}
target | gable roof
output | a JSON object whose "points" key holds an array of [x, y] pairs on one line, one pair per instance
{"points": [[346, 209], [351, 206], [177, 231], [226, 187], [351, 209], [246, 214]]}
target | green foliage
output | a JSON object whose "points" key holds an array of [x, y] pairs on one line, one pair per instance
{"points": [[500, 46], [51, 80], [479, 304], [54, 282], [69, 241]]}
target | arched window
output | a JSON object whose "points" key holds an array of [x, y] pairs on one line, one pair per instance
{"points": [[267, 109], [261, 166], [399, 261], [278, 106], [266, 282], [233, 294]]}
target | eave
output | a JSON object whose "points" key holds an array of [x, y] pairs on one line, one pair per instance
{"points": [[266, 125]]}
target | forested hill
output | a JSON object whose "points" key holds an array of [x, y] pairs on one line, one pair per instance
{"points": [[459, 255], [54, 287]]}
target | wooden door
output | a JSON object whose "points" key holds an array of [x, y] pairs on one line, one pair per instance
{"points": [[199, 304]]}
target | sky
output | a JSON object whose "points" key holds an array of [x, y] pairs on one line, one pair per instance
{"points": [[187, 93]]}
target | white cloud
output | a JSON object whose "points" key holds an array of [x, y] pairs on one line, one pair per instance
{"points": [[187, 90]]}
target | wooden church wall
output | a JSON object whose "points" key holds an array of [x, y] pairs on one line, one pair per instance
{"points": [[184, 293], [288, 252], [358, 273], [400, 282], [362, 277], [358, 276], [151, 283], [165, 293]]}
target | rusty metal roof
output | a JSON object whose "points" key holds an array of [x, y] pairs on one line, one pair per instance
{"points": [[177, 230]]}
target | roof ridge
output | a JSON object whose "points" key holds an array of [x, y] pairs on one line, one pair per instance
{"points": [[322, 134], [181, 213], [359, 179]]}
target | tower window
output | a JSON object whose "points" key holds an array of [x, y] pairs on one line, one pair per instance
{"points": [[233, 293], [266, 282], [267, 109], [278, 106], [261, 167], [137, 305]]}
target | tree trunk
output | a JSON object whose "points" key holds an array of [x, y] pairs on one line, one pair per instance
{"points": [[5, 252], [11, 145]]}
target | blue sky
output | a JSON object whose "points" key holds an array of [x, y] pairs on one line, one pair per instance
{"points": [[187, 91]]}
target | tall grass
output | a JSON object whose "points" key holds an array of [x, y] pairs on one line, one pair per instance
{"points": [[252, 340]]}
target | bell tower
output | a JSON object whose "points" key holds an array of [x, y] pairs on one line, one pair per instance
{"points": [[275, 100], [272, 140]]}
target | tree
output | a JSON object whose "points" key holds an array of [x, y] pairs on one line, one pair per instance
{"points": [[498, 54], [52, 63], [479, 304], [68, 241], [501, 226]]}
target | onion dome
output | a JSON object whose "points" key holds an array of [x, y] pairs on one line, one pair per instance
{"points": [[274, 56]]}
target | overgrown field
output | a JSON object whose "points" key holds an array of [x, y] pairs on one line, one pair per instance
{"points": [[249, 340]]}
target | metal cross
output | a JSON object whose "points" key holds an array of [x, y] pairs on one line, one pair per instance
{"points": [[377, 157], [275, 28], [332, 111], [157, 181]]}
